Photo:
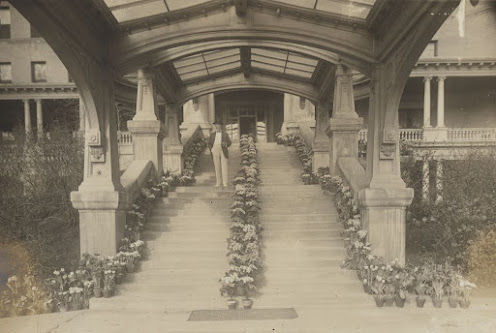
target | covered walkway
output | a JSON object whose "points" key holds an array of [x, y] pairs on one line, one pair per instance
{"points": [[175, 51]]}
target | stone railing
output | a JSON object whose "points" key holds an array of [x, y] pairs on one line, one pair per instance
{"points": [[124, 138], [471, 134], [191, 135], [406, 134]]}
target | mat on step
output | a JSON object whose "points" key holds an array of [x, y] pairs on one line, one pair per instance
{"points": [[252, 314]]}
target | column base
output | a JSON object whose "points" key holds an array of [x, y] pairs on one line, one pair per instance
{"points": [[173, 159], [147, 141], [320, 158], [384, 218], [102, 219]]}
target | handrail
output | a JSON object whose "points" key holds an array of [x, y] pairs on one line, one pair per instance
{"points": [[135, 177], [191, 135], [471, 134]]}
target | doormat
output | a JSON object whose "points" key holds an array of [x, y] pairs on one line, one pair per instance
{"points": [[252, 314]]}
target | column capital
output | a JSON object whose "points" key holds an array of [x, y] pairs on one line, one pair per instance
{"points": [[441, 78], [427, 78], [38, 100]]}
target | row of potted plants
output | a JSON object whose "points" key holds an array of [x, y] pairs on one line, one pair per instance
{"points": [[187, 177], [244, 242], [307, 175], [391, 283], [96, 275]]}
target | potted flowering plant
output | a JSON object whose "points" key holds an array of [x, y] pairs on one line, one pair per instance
{"points": [[76, 298], [403, 281], [378, 288], [465, 288], [108, 283], [453, 289], [420, 286], [438, 279], [229, 286], [64, 298]]}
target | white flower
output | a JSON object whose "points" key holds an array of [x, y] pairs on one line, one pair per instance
{"points": [[56, 273]]}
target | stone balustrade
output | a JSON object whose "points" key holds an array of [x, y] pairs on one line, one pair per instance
{"points": [[459, 135]]}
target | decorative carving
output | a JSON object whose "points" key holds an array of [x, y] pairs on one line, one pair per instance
{"points": [[96, 155], [196, 106], [390, 136], [94, 138], [387, 151]]}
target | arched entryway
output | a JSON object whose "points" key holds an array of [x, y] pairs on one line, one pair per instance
{"points": [[183, 52]]}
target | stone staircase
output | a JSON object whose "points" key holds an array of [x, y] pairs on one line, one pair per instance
{"points": [[186, 245], [302, 244], [186, 249]]}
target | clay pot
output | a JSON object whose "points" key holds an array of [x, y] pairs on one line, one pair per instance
{"points": [[247, 303], [389, 300], [453, 302], [379, 301], [420, 301], [108, 293], [400, 302], [367, 289], [438, 303], [97, 292], [464, 304], [232, 304], [130, 267]]}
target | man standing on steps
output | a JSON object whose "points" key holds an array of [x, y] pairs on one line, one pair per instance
{"points": [[218, 143]]}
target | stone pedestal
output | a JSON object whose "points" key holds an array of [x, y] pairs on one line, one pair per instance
{"points": [[434, 134], [320, 157], [102, 218], [173, 160], [147, 142], [384, 217], [343, 133]]}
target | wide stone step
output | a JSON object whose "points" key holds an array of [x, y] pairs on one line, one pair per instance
{"points": [[219, 194], [298, 234], [189, 219], [197, 212], [168, 262], [187, 226], [268, 218], [331, 252], [178, 244], [301, 225], [186, 236], [204, 189], [302, 261], [299, 210]]}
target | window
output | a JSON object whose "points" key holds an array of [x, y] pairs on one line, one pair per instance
{"points": [[38, 71], [4, 22], [34, 32], [5, 72]]}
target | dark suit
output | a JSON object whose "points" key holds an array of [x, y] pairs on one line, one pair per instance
{"points": [[225, 139]]}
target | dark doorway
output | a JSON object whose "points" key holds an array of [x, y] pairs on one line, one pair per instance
{"points": [[248, 125]]}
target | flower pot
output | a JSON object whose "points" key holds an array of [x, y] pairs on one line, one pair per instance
{"points": [[420, 301], [62, 308], [108, 293], [400, 302], [97, 292], [437, 302], [379, 301], [464, 303], [389, 300], [247, 303], [367, 289], [118, 279], [232, 304], [130, 267], [453, 302]]}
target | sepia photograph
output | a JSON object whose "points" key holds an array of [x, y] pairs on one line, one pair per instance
{"points": [[247, 166]]}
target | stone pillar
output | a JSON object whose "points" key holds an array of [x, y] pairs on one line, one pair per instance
{"points": [[439, 181], [383, 204], [100, 199], [425, 180], [320, 145], [198, 112], [39, 119], [344, 124], [440, 101], [82, 116], [145, 127], [288, 125], [173, 149], [27, 119], [427, 101]]}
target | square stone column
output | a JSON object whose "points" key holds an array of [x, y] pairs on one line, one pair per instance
{"points": [[320, 145], [383, 204], [100, 199], [145, 127], [198, 112], [172, 147], [344, 124]]}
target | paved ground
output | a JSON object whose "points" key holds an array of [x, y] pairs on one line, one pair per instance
{"points": [[480, 318]]}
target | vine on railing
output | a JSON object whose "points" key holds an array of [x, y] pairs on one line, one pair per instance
{"points": [[245, 262], [187, 177]]}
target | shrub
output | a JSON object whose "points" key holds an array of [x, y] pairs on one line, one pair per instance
{"points": [[482, 259]]}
